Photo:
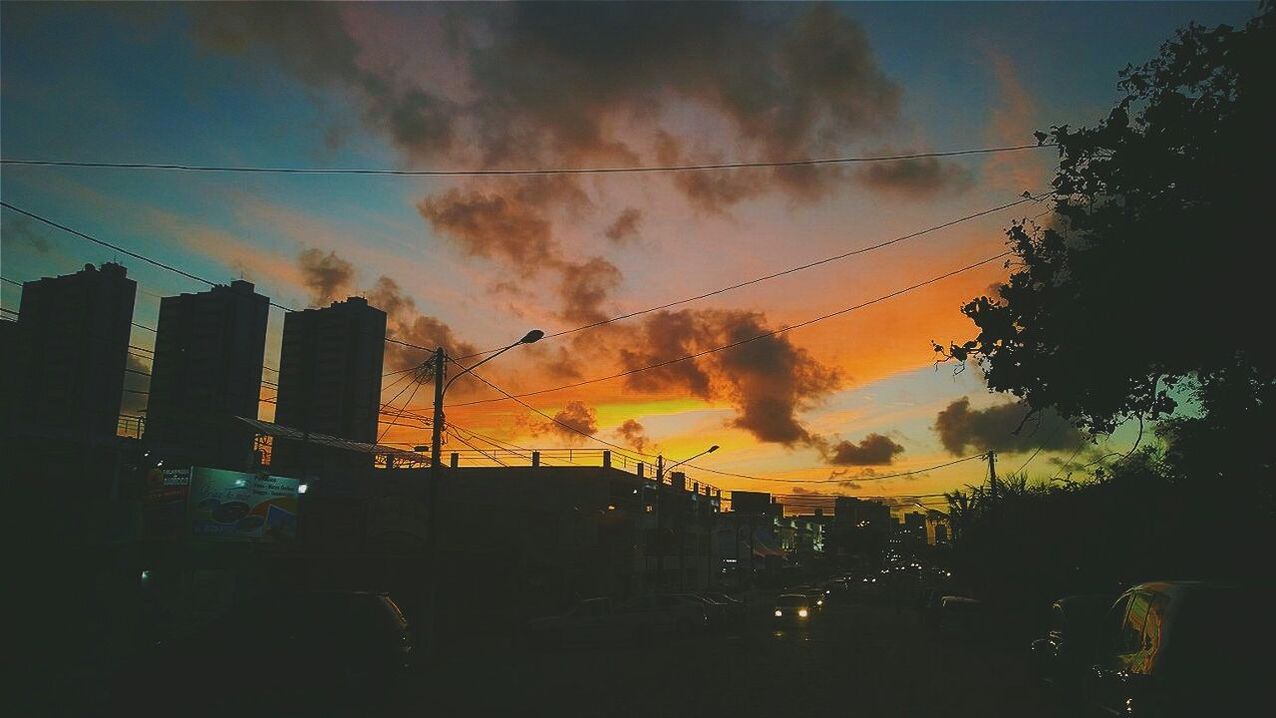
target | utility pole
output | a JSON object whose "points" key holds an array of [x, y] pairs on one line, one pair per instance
{"points": [[431, 531], [992, 476]]}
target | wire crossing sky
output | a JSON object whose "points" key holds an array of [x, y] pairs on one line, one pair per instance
{"points": [[668, 191]]}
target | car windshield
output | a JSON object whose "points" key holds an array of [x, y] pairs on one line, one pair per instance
{"points": [[791, 601]]}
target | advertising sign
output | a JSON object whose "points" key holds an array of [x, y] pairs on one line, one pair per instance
{"points": [[237, 505], [164, 503]]}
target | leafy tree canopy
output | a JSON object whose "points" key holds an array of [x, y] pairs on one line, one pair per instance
{"points": [[1152, 271]]}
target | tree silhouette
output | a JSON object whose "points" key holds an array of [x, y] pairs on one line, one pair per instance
{"points": [[1144, 295]]}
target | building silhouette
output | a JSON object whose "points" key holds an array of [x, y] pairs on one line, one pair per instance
{"points": [[72, 341], [209, 348], [330, 381]]}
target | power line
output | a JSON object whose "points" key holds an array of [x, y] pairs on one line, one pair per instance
{"points": [[158, 263], [740, 342], [463, 440], [781, 273], [565, 425], [622, 451], [416, 385], [516, 172], [832, 480]]}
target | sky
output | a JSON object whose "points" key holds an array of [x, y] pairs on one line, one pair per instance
{"points": [[472, 263]]}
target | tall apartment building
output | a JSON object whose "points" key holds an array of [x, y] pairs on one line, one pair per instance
{"points": [[209, 349], [330, 380], [72, 339]]}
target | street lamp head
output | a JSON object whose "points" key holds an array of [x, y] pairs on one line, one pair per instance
{"points": [[713, 448], [532, 337]]}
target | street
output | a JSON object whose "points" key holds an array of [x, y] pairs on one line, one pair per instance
{"points": [[865, 659]]}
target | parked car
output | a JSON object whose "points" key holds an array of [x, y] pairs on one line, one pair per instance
{"points": [[962, 616], [1184, 648], [735, 609], [1064, 656], [592, 619], [679, 613], [793, 609], [716, 611], [284, 648]]}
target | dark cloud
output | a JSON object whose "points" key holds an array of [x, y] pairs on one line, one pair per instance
{"points": [[768, 380], [556, 74], [509, 221], [923, 177], [993, 429], [710, 192], [873, 450], [584, 288], [406, 323], [492, 226], [557, 361], [580, 417], [312, 41], [21, 230], [625, 227], [328, 277], [563, 83], [634, 434]]}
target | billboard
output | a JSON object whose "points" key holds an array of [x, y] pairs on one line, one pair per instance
{"points": [[164, 502], [241, 506]]}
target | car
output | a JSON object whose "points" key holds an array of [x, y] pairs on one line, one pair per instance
{"points": [[793, 609], [592, 619], [816, 595], [716, 611], [310, 645], [1172, 649], [670, 613], [736, 610], [1064, 655], [961, 616]]}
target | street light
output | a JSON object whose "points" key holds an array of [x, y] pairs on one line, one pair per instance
{"points": [[660, 479], [661, 468], [436, 438], [436, 451]]}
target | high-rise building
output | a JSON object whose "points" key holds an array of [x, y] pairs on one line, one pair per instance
{"points": [[209, 348], [72, 342], [330, 380], [849, 511]]}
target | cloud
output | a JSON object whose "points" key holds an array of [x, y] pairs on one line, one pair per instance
{"points": [[625, 227], [634, 434], [584, 288], [505, 85], [21, 230], [917, 178], [581, 418], [873, 450], [767, 380], [406, 323], [313, 42], [328, 277], [492, 225], [709, 192], [992, 429]]}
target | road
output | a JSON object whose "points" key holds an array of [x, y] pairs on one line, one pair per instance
{"points": [[856, 659]]}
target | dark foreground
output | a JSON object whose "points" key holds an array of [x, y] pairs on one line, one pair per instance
{"points": [[859, 659], [865, 660], [855, 659]]}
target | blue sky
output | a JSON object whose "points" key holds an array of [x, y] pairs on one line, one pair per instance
{"points": [[144, 83]]}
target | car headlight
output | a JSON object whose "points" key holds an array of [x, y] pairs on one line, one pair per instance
{"points": [[778, 613], [802, 612], [820, 602]]}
